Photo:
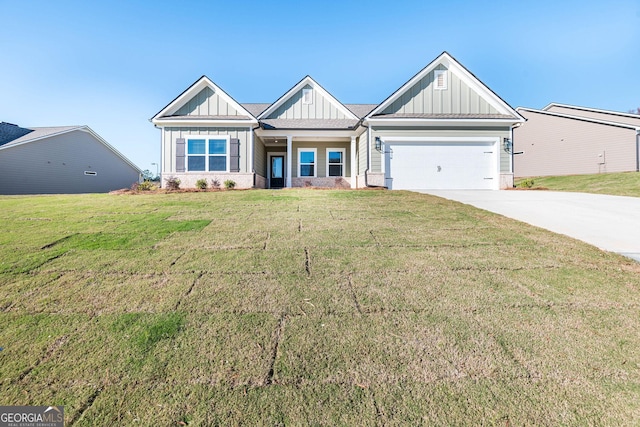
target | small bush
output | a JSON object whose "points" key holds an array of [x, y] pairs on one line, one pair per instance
{"points": [[229, 184], [146, 186], [173, 183], [215, 183], [527, 183], [202, 184]]}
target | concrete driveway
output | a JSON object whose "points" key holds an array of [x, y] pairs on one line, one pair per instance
{"points": [[611, 223]]}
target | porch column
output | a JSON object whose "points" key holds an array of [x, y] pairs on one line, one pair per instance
{"points": [[354, 169], [289, 155]]}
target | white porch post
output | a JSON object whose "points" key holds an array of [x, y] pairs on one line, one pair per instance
{"points": [[354, 171], [289, 155]]}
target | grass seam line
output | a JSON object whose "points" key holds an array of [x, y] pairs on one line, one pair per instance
{"points": [[274, 353], [85, 407]]}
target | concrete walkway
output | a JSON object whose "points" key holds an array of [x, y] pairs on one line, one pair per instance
{"points": [[611, 223]]}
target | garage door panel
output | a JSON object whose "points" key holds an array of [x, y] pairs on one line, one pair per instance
{"points": [[440, 165]]}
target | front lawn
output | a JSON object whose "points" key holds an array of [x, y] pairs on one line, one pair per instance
{"points": [[298, 307], [617, 184]]}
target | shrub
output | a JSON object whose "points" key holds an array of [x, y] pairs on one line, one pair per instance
{"points": [[526, 183], [215, 183], [202, 184], [173, 183], [146, 186], [229, 184]]}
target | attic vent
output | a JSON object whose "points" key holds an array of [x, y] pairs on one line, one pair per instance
{"points": [[307, 96], [441, 79], [91, 173]]}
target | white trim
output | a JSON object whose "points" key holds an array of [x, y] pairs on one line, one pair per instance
{"points": [[206, 155], [353, 168], [465, 76], [581, 118], [315, 135], [284, 166], [307, 96], [243, 123], [343, 164], [398, 121], [308, 81], [495, 144], [595, 110], [162, 156], [315, 161], [289, 160], [193, 90]]}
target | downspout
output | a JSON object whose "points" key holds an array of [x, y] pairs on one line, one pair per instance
{"points": [[253, 151], [366, 172], [637, 149]]}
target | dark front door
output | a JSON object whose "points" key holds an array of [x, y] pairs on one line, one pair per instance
{"points": [[277, 171]]}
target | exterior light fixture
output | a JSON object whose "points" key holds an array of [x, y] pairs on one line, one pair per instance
{"points": [[378, 144]]}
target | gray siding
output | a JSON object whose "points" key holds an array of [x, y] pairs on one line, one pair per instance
{"points": [[260, 156], [376, 156], [207, 103], [56, 165], [320, 108], [173, 133], [633, 121], [321, 152], [362, 152], [423, 98], [561, 146]]}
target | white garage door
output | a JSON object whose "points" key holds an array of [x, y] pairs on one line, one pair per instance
{"points": [[441, 165]]}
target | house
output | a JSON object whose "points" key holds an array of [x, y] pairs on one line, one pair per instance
{"points": [[68, 159], [570, 140], [442, 129]]}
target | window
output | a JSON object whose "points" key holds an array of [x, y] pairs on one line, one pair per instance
{"points": [[207, 154], [335, 161], [307, 162], [307, 96], [440, 78]]}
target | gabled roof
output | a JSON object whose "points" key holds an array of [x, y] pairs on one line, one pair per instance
{"points": [[167, 113], [297, 87], [579, 118], [42, 133], [463, 74], [10, 132]]}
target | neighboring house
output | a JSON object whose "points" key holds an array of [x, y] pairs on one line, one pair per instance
{"points": [[570, 140], [58, 160], [442, 129]]}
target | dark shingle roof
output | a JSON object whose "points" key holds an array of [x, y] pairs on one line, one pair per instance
{"points": [[10, 132]]}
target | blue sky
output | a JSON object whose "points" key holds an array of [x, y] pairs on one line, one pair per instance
{"points": [[113, 64]]}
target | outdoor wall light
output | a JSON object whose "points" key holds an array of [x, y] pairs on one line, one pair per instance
{"points": [[378, 144], [508, 145]]}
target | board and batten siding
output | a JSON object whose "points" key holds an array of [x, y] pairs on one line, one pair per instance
{"points": [[554, 145], [207, 103], [457, 98], [321, 156], [501, 133], [57, 165], [320, 108], [632, 121], [171, 134]]}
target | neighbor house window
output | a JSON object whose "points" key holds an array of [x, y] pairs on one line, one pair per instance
{"points": [[207, 154], [440, 78], [335, 161], [307, 96], [307, 162]]}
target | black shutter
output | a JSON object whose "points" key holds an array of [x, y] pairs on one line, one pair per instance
{"points": [[234, 155], [180, 155]]}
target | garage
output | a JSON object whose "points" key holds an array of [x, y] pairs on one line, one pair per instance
{"points": [[443, 164]]}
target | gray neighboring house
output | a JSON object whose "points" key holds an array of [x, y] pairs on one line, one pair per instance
{"points": [[565, 139], [60, 160], [442, 129]]}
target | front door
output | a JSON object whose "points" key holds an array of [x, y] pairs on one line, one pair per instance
{"points": [[277, 172]]}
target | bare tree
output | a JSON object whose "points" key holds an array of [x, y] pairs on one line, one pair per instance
{"points": [[636, 111]]}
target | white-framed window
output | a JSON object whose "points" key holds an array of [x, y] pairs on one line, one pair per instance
{"points": [[440, 79], [207, 153], [307, 162], [307, 96], [335, 161]]}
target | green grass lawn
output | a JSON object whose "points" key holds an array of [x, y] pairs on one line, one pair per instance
{"points": [[617, 184], [300, 307]]}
